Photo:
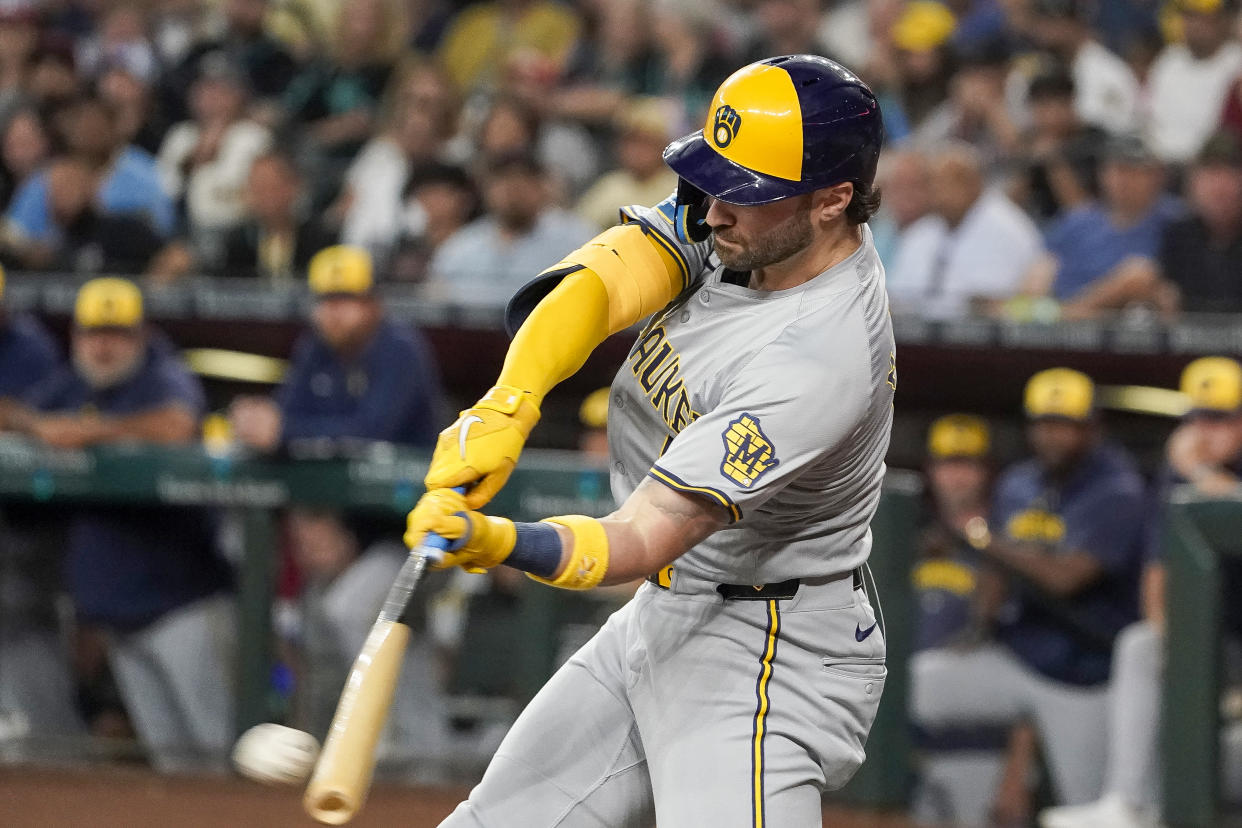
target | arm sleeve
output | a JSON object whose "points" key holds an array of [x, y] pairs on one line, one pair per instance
{"points": [[784, 410]]}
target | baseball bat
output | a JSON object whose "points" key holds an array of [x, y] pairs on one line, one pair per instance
{"points": [[342, 776]]}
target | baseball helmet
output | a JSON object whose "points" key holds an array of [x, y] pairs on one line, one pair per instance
{"points": [[777, 128]]}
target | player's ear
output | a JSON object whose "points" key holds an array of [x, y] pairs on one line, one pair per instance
{"points": [[827, 203]]}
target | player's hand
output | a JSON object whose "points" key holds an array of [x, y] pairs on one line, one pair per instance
{"points": [[482, 447], [479, 542]]}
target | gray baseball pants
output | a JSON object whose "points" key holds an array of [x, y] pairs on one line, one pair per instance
{"points": [[989, 685], [689, 709]]}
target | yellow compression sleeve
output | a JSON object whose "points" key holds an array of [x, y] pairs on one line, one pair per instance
{"points": [[624, 277]]}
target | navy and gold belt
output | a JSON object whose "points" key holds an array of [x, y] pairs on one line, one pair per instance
{"points": [[780, 590]]}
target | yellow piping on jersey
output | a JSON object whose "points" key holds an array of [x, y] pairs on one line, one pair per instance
{"points": [[669, 480], [762, 704]]}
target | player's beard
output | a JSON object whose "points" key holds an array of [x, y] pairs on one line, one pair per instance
{"points": [[793, 235]]}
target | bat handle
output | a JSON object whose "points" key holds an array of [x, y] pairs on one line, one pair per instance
{"points": [[433, 545]]}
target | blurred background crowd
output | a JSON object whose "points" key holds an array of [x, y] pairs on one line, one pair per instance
{"points": [[1047, 161]]}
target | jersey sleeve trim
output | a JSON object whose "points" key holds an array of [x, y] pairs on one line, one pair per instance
{"points": [[677, 484], [658, 238]]}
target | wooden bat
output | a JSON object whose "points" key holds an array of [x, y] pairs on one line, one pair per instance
{"points": [[342, 776]]}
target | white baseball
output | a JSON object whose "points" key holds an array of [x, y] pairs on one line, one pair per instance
{"points": [[275, 755]]}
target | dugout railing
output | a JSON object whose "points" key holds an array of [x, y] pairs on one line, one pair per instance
{"points": [[381, 480]]}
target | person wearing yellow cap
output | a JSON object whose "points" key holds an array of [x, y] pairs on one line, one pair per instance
{"points": [[1190, 80], [1204, 452], [1066, 537], [27, 351], [149, 576], [356, 375]]}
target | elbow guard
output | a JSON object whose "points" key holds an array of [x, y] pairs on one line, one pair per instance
{"points": [[639, 277]]}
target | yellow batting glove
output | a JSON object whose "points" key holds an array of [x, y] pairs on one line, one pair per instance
{"points": [[482, 447], [480, 541]]}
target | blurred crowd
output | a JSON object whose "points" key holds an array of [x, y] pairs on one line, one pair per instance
{"points": [[1045, 160]]}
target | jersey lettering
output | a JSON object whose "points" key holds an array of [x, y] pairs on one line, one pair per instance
{"points": [[656, 366]]}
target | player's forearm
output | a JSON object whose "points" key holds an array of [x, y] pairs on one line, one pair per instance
{"points": [[1062, 575]]}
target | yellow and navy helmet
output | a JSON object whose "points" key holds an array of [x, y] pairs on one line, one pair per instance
{"points": [[108, 302], [958, 436], [1213, 385], [777, 128], [340, 270], [1062, 393]]}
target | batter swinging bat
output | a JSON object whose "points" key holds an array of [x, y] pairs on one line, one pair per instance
{"points": [[342, 776]]}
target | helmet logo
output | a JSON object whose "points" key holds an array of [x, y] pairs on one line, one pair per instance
{"points": [[725, 125]]}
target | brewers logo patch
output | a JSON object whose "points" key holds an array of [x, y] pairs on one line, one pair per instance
{"points": [[726, 124], [748, 451]]}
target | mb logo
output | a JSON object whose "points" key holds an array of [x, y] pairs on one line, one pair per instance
{"points": [[748, 451], [725, 125]]}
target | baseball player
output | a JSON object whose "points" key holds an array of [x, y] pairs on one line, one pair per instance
{"points": [[747, 429]]}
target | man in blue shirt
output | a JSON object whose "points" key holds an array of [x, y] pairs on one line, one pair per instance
{"points": [[150, 576], [1066, 532], [1205, 452], [357, 375], [128, 179], [1091, 248]]}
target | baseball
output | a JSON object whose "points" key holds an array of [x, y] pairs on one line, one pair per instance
{"points": [[275, 755]]}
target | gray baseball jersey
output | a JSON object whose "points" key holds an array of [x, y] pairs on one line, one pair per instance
{"points": [[777, 405], [689, 707]]}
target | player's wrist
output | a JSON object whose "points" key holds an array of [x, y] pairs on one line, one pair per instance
{"points": [[588, 558], [521, 406]]}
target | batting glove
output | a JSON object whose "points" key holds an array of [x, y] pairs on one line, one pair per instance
{"points": [[479, 542], [482, 447]]}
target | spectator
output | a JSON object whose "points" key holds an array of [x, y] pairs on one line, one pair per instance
{"points": [[643, 177], [81, 238], [377, 178], [903, 177], [204, 163], [1190, 81], [277, 238], [24, 147], [121, 41], [357, 376], [689, 60], [140, 120], [1090, 248], [1066, 533], [785, 27], [53, 82], [975, 110], [615, 59], [973, 246], [439, 200], [127, 178], [265, 63], [1205, 452], [1059, 153], [486, 261], [480, 40], [19, 41], [1200, 255], [149, 575], [512, 127], [335, 99], [1106, 91], [923, 64]]}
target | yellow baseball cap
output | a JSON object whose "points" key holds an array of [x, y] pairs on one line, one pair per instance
{"points": [[959, 436], [108, 302], [340, 269], [593, 413], [1213, 385], [923, 26], [1060, 392]]}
